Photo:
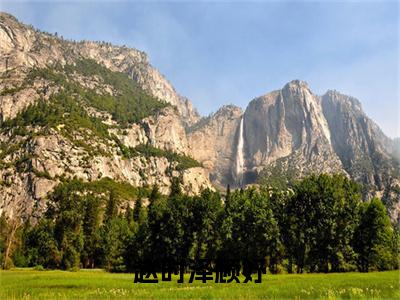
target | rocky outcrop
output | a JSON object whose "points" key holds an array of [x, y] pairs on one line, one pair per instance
{"points": [[295, 132], [22, 47], [365, 152], [288, 124], [33, 162], [282, 125], [213, 143], [36, 168]]}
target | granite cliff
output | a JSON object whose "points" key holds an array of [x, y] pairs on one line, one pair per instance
{"points": [[88, 110], [292, 132]]}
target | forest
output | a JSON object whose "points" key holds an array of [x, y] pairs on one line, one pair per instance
{"points": [[320, 224]]}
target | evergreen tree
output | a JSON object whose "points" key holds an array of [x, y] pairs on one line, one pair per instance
{"points": [[116, 235], [373, 238], [321, 219], [66, 209], [111, 208], [248, 226], [91, 231], [42, 248], [154, 195], [138, 209], [175, 187], [202, 226]]}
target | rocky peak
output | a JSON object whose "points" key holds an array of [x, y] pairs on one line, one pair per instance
{"points": [[296, 84], [364, 150], [356, 139], [24, 47], [287, 125], [229, 111], [335, 96]]}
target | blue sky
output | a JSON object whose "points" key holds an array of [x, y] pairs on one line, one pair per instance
{"points": [[218, 53]]}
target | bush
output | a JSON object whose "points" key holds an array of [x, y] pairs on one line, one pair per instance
{"points": [[38, 268]]}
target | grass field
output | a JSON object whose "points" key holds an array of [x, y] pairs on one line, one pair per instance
{"points": [[31, 284]]}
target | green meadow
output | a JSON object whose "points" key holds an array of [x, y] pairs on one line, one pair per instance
{"points": [[97, 284]]}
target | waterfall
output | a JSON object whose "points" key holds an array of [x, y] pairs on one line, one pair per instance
{"points": [[240, 156]]}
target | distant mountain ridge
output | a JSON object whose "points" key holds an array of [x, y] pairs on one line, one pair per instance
{"points": [[293, 132], [93, 110]]}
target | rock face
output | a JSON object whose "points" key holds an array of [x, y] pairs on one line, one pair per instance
{"points": [[213, 142], [293, 132], [289, 125], [286, 126], [32, 163], [22, 47], [357, 139], [366, 154]]}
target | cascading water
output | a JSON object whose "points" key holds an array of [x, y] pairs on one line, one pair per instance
{"points": [[240, 156]]}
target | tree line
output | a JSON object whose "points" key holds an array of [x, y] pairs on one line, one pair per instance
{"points": [[320, 225]]}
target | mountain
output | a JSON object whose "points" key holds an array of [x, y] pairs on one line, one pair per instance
{"points": [[89, 110], [96, 111], [292, 132], [364, 150]]}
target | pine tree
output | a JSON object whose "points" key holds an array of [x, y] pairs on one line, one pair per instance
{"points": [[154, 195], [111, 208], [137, 210], [175, 187], [373, 238]]}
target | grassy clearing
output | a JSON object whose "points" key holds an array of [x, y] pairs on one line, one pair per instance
{"points": [[30, 284]]}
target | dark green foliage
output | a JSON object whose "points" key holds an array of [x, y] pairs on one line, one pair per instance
{"points": [[139, 212], [375, 241], [319, 226], [76, 229], [248, 226], [12, 90], [321, 219], [154, 195], [166, 230], [42, 248], [205, 212], [66, 211], [3, 235], [115, 234], [91, 230], [184, 162], [120, 190], [176, 190], [146, 150], [111, 207], [131, 104], [65, 114]]}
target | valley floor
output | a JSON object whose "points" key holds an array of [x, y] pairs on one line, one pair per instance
{"points": [[97, 284]]}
